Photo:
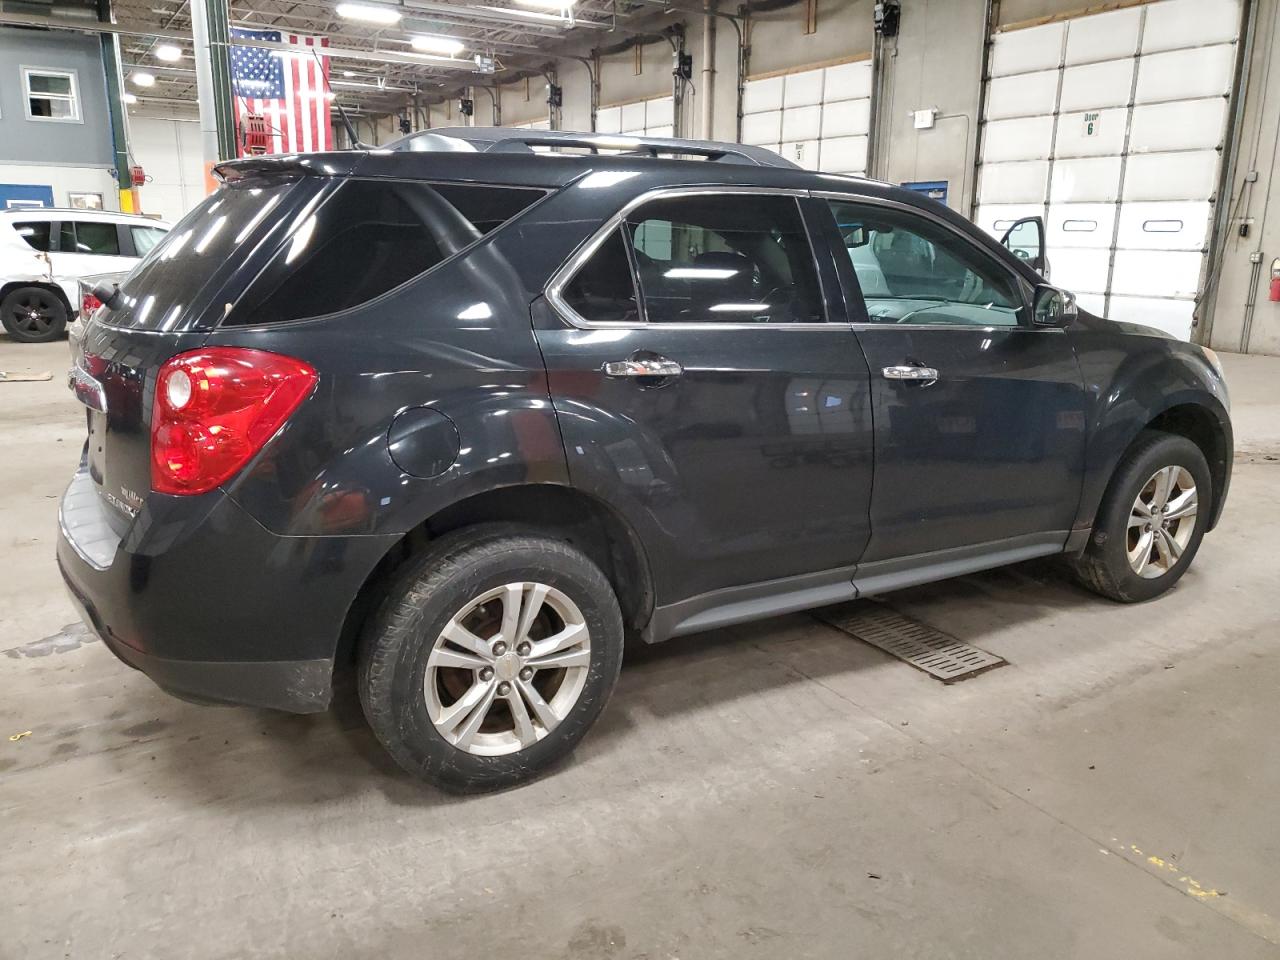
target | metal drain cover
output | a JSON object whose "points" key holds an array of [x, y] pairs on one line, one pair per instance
{"points": [[936, 653]]}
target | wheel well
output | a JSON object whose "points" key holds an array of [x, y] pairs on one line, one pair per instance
{"points": [[1200, 426], [552, 510], [53, 288]]}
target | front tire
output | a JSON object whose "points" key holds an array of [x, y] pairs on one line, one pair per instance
{"points": [[1151, 521], [490, 658], [34, 315]]}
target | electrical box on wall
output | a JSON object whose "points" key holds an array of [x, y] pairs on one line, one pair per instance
{"points": [[925, 119]]}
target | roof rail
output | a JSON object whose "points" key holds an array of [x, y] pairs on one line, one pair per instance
{"points": [[510, 140]]}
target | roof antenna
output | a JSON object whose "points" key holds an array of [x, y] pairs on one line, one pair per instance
{"points": [[355, 141]]}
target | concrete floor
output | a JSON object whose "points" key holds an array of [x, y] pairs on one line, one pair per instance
{"points": [[777, 790]]}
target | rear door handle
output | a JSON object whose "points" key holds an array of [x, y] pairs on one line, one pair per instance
{"points": [[645, 367], [908, 371]]}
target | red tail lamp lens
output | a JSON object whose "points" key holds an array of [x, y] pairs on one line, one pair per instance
{"points": [[215, 408], [88, 304]]}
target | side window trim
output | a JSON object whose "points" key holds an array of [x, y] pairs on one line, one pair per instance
{"points": [[554, 288], [849, 278]]}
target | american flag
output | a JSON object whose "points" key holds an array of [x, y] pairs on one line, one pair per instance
{"points": [[288, 89]]}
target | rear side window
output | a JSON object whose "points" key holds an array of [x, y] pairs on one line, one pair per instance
{"points": [[724, 258], [90, 236], [369, 238], [35, 232]]}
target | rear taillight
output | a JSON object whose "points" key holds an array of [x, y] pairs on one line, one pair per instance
{"points": [[215, 408], [88, 304]]}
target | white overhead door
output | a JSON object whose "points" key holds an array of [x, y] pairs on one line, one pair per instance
{"points": [[1110, 126], [817, 118], [644, 118]]}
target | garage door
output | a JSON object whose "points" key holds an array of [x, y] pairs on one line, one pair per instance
{"points": [[644, 118], [817, 118], [1111, 127]]}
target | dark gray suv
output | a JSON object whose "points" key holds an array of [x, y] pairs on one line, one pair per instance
{"points": [[470, 411]]}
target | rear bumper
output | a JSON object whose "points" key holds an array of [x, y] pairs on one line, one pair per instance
{"points": [[209, 604]]}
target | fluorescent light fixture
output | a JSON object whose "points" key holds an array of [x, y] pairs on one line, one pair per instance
{"points": [[548, 4], [348, 73], [130, 98], [142, 78], [367, 13], [168, 53], [528, 14], [448, 46]]}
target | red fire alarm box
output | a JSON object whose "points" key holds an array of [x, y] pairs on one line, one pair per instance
{"points": [[257, 135], [136, 176]]}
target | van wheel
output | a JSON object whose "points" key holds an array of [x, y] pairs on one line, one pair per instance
{"points": [[33, 315], [1151, 520], [490, 658]]}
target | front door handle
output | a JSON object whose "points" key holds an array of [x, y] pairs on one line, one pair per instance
{"points": [[643, 367], [909, 371]]}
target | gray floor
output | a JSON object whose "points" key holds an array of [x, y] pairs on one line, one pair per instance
{"points": [[778, 790]]}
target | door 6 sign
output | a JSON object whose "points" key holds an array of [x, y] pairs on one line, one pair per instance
{"points": [[1091, 121]]}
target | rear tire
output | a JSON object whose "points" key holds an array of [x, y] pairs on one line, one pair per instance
{"points": [[1151, 521], [34, 315], [490, 658]]}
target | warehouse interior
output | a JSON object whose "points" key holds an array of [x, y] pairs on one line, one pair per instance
{"points": [[772, 789]]}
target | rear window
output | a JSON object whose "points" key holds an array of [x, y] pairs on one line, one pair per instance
{"points": [[35, 232], [369, 238], [217, 234]]}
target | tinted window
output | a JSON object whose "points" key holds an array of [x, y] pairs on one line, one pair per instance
{"points": [[912, 270], [87, 236], [144, 238], [727, 258], [217, 236], [35, 232], [603, 291], [368, 238]]}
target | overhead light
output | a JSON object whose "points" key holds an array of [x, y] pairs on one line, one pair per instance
{"points": [[548, 4], [555, 18], [168, 53], [348, 73], [130, 98], [142, 78], [449, 46], [367, 13]]}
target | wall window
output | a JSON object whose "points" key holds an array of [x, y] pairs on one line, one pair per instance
{"points": [[912, 270], [51, 94]]}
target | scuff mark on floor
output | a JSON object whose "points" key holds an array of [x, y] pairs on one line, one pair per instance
{"points": [[71, 637]]}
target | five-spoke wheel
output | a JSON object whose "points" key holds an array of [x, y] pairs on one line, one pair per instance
{"points": [[1151, 519], [507, 668], [490, 657]]}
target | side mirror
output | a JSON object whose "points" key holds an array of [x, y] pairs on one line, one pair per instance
{"points": [[1025, 240], [1052, 307]]}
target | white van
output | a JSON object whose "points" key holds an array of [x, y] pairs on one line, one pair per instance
{"points": [[44, 251]]}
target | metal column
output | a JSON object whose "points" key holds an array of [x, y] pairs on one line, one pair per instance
{"points": [[211, 34], [110, 42]]}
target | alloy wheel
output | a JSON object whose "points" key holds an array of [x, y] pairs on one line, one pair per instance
{"points": [[35, 313], [1161, 522], [507, 668]]}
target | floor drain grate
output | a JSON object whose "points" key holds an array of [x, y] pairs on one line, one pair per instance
{"points": [[920, 645]]}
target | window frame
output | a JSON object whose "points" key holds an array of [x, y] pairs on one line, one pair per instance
{"points": [[74, 97], [554, 288], [849, 278]]}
